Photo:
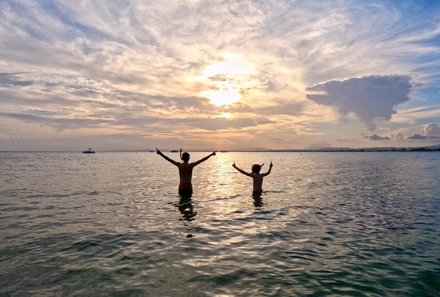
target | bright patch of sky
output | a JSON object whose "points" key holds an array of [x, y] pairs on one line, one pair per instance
{"points": [[218, 74]]}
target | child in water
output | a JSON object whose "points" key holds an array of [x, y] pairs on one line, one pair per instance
{"points": [[256, 176], [185, 171]]}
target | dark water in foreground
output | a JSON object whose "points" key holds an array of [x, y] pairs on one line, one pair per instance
{"points": [[110, 224]]}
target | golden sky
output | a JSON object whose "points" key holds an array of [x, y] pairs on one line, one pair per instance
{"points": [[218, 74]]}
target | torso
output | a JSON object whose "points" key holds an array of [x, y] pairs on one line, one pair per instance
{"points": [[258, 181], [185, 172]]}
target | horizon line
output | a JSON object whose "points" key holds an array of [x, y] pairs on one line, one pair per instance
{"points": [[435, 147]]}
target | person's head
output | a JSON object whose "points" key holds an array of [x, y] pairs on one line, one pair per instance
{"points": [[256, 168], [185, 156]]}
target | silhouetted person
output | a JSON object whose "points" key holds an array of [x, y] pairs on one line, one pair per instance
{"points": [[256, 176], [185, 171]]}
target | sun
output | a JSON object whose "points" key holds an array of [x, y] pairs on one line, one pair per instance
{"points": [[226, 79], [223, 97], [226, 115]]}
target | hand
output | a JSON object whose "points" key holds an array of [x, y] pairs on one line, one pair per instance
{"points": [[213, 153], [271, 165], [157, 151], [233, 165]]}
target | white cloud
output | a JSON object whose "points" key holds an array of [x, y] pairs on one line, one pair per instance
{"points": [[428, 132], [431, 129], [417, 114], [371, 98]]}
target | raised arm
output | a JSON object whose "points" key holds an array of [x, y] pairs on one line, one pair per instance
{"points": [[166, 158], [270, 169], [203, 159], [241, 170]]}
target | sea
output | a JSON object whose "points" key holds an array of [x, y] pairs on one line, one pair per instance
{"points": [[327, 224]]}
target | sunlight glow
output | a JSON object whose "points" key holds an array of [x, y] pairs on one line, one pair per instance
{"points": [[232, 65], [227, 78], [223, 97]]}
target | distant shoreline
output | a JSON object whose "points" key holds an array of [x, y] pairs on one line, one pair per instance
{"points": [[435, 148]]}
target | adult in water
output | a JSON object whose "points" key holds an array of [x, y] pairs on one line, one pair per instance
{"points": [[185, 171]]}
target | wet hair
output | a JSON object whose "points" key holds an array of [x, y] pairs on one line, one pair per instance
{"points": [[185, 156], [256, 168]]}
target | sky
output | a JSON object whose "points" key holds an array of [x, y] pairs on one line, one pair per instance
{"points": [[218, 75]]}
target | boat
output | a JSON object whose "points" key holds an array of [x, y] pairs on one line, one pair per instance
{"points": [[89, 151]]}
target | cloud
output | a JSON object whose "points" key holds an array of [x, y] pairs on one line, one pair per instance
{"points": [[12, 80], [283, 108], [221, 123], [371, 98], [418, 114], [57, 122], [431, 129], [417, 137], [376, 137], [135, 123]]}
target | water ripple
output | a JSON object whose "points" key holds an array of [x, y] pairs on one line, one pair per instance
{"points": [[327, 224]]}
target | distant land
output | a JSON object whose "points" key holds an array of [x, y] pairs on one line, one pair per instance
{"points": [[431, 148], [367, 149], [330, 149]]}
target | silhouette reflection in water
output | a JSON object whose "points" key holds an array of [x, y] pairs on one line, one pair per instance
{"points": [[186, 208]]}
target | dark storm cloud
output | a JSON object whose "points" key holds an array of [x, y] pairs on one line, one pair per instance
{"points": [[371, 98]]}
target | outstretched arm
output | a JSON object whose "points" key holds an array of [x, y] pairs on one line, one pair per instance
{"points": [[166, 158], [203, 159], [241, 170], [270, 169]]}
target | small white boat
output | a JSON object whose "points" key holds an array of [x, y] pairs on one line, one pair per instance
{"points": [[89, 151]]}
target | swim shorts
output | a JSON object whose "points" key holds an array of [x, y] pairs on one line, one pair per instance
{"points": [[185, 189]]}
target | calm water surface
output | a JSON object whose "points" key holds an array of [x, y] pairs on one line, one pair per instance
{"points": [[328, 224]]}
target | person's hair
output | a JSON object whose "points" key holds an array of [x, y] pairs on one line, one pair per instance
{"points": [[185, 156], [256, 168]]}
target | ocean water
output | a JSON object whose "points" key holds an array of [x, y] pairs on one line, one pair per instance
{"points": [[328, 224]]}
